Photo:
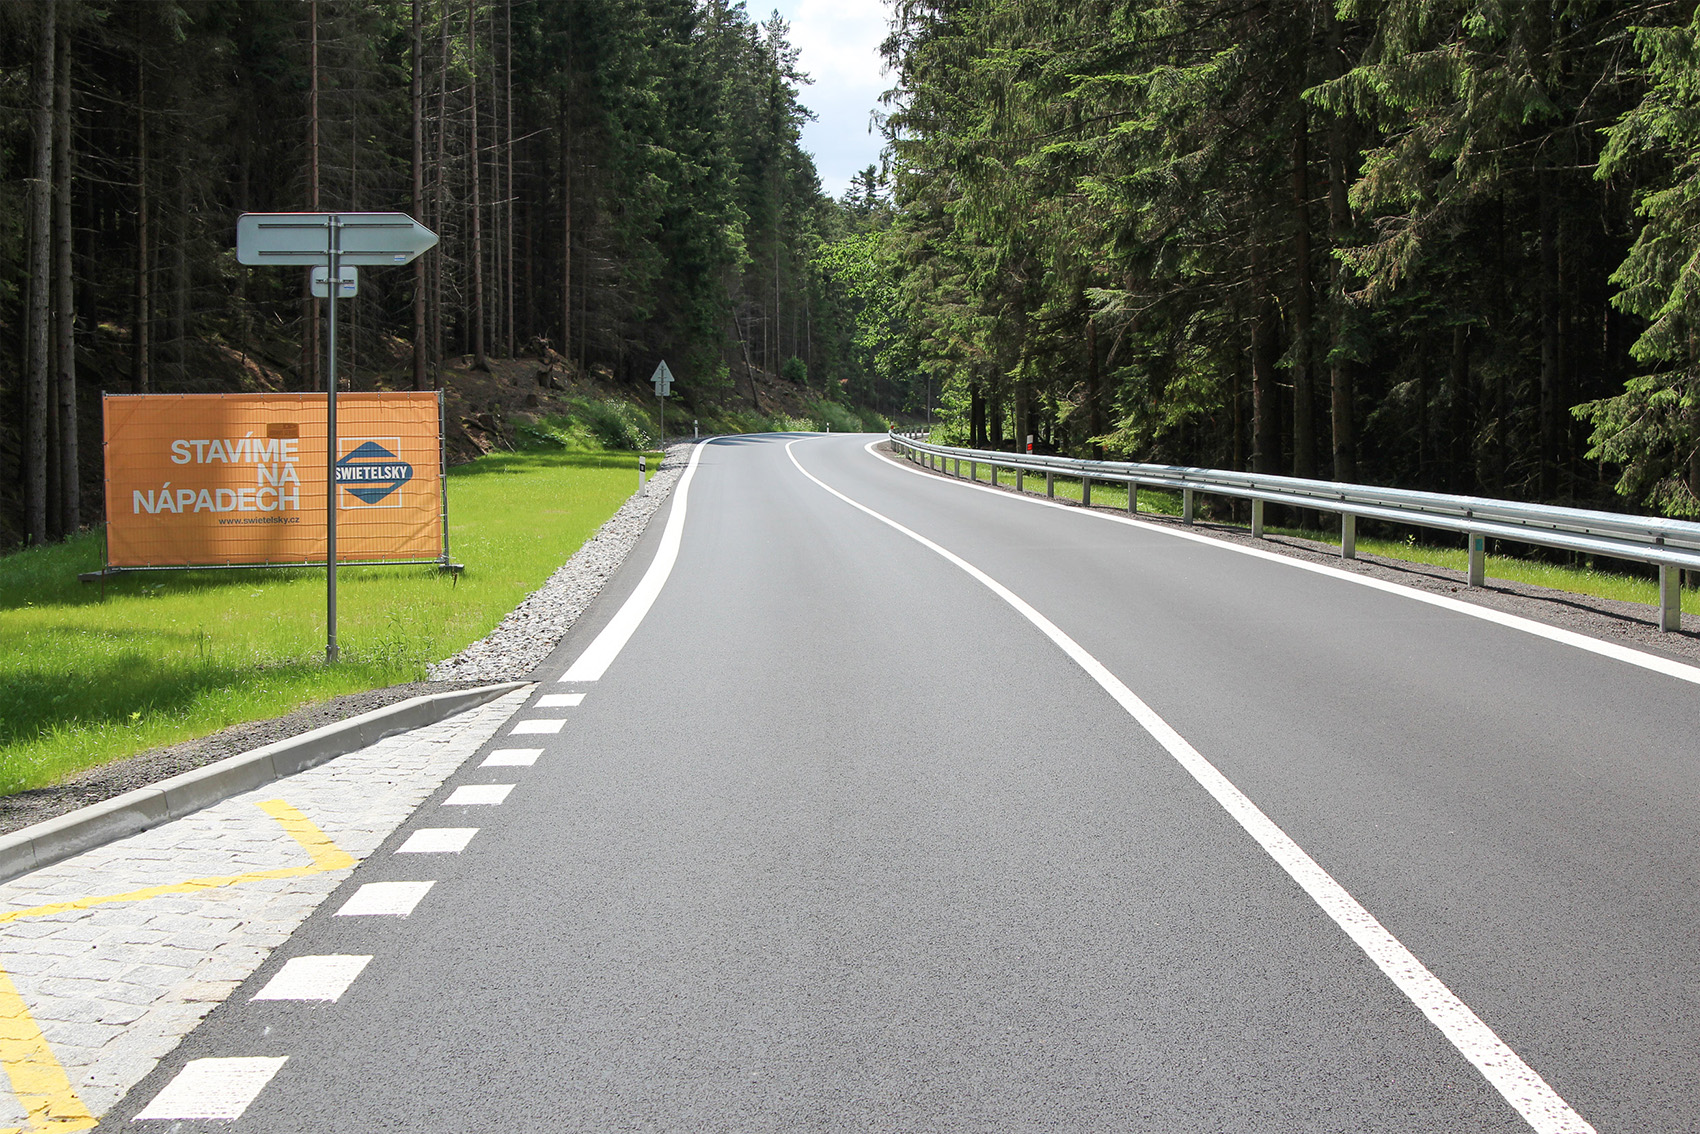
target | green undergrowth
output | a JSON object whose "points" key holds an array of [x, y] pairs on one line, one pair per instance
{"points": [[167, 656], [1607, 584], [598, 424]]}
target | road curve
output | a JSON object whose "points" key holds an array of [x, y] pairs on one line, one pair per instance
{"points": [[843, 840]]}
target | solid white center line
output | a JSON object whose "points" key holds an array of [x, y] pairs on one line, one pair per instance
{"points": [[474, 795], [437, 840], [559, 701], [384, 899], [542, 724], [213, 1088], [1540, 1105], [600, 654], [313, 978], [512, 758]]}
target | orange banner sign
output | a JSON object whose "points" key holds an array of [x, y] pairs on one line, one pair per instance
{"points": [[204, 480]]}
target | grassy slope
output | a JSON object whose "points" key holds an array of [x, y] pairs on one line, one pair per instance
{"points": [[174, 655]]}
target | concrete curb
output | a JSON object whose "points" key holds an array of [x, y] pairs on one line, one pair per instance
{"points": [[100, 823]]}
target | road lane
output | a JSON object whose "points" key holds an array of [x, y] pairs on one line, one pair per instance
{"points": [[1520, 813], [840, 842]]}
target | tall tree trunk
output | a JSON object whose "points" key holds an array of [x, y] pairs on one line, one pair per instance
{"points": [[1265, 394], [1463, 473], [508, 151], [1094, 391], [479, 359], [1304, 396], [418, 93], [566, 232], [1341, 412], [309, 305], [437, 206], [141, 334], [1551, 375], [64, 301], [180, 285], [40, 254]]}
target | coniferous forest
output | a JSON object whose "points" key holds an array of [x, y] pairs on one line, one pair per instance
{"points": [[614, 182], [1439, 244], [1442, 244]]}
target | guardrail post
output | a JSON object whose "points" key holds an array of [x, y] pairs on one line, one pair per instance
{"points": [[1186, 505], [1132, 497], [1050, 483], [1348, 536], [1086, 491], [1020, 479], [1257, 519], [974, 470], [1478, 560], [1670, 598]]}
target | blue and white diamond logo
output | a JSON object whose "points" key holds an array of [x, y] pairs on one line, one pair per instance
{"points": [[371, 473]]}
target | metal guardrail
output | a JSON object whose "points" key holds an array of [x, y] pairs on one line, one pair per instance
{"points": [[1670, 545]]}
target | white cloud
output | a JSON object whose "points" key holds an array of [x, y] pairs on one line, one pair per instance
{"points": [[838, 43]]}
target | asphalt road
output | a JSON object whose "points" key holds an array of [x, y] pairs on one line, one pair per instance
{"points": [[843, 841]]}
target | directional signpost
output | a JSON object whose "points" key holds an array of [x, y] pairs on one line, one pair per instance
{"points": [[663, 379], [334, 243]]}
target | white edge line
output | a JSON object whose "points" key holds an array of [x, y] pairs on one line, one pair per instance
{"points": [[1525, 1090], [1682, 671], [600, 654]]}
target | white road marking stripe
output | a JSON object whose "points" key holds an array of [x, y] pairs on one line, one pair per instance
{"points": [[437, 840], [1540, 1106], [1682, 671], [213, 1088], [478, 795], [313, 978], [559, 701], [384, 899], [512, 758], [600, 654], [539, 725]]}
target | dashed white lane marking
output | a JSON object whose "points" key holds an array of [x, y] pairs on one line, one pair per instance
{"points": [[600, 654], [475, 795], [313, 978], [539, 725], [384, 899], [1540, 1105], [213, 1088], [437, 840], [512, 758], [559, 701]]}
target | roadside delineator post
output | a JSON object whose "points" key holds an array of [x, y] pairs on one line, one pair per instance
{"points": [[643, 465]]}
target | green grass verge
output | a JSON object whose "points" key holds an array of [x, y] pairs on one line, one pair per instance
{"points": [[168, 656], [1576, 580]]}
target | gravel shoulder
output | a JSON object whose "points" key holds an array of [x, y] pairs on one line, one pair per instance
{"points": [[510, 652]]}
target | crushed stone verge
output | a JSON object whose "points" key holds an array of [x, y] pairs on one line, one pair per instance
{"points": [[527, 636]]}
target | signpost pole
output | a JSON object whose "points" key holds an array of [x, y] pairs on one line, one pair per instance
{"points": [[332, 239], [332, 234]]}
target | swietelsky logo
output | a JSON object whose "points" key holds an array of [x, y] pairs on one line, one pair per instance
{"points": [[372, 473]]}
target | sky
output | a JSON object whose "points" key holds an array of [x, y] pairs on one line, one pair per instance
{"points": [[839, 42]]}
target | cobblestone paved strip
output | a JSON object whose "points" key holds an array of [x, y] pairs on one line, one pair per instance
{"points": [[117, 953]]}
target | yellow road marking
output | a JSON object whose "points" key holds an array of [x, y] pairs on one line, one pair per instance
{"points": [[37, 1079], [326, 856], [39, 1082]]}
